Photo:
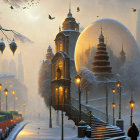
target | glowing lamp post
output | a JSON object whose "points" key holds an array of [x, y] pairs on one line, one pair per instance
{"points": [[6, 94], [132, 103], [113, 106], [0, 95], [78, 81], [13, 93], [120, 96]]}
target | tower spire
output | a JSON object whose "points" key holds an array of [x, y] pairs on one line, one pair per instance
{"points": [[122, 53], [69, 14], [101, 38]]}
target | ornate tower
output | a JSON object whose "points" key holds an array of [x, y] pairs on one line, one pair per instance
{"points": [[49, 54], [70, 23], [63, 66], [122, 56], [101, 62]]}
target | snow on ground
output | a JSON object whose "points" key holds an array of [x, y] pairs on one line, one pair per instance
{"points": [[38, 130], [16, 130]]}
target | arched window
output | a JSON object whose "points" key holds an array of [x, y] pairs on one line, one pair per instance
{"points": [[60, 66]]}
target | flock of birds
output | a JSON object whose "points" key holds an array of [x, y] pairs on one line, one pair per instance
{"points": [[51, 18], [78, 10], [28, 5], [31, 3]]}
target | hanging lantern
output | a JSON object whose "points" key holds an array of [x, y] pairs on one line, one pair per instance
{"points": [[13, 46], [2, 45]]}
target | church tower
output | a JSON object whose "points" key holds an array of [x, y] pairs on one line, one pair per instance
{"points": [[101, 62], [63, 65]]}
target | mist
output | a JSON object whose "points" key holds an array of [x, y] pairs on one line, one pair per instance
{"points": [[34, 24]]}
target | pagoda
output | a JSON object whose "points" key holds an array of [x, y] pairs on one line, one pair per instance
{"points": [[101, 64]]}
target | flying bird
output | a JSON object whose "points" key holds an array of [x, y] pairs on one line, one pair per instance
{"points": [[134, 10], [11, 7], [78, 9], [51, 18]]}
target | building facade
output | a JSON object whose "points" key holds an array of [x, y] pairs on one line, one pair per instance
{"points": [[63, 65]]}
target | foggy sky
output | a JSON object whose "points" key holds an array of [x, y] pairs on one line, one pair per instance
{"points": [[34, 24]]}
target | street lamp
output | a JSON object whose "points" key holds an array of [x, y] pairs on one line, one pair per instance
{"points": [[119, 89], [6, 94], [113, 106], [13, 93], [106, 90], [132, 103], [78, 81], [0, 95]]}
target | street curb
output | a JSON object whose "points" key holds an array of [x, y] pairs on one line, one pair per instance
{"points": [[15, 132]]}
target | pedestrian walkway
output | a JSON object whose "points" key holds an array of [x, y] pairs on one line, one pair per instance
{"points": [[40, 131]]}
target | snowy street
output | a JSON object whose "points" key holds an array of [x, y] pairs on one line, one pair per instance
{"points": [[40, 131]]}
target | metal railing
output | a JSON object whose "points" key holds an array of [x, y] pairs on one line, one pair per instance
{"points": [[97, 113]]}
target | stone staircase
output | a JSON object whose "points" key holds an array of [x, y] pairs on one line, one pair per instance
{"points": [[101, 130]]}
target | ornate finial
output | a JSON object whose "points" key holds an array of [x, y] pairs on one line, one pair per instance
{"points": [[70, 7], [101, 28], [101, 38], [69, 14]]}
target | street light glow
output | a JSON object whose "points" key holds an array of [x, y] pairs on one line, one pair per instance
{"points": [[113, 105], [118, 84], [113, 90], [6, 92], [78, 79], [13, 92], [132, 103], [0, 87]]}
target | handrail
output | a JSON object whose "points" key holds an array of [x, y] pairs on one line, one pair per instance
{"points": [[97, 113]]}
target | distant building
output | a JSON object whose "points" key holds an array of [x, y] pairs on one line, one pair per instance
{"points": [[10, 82], [5, 66], [20, 73], [63, 65], [12, 68]]}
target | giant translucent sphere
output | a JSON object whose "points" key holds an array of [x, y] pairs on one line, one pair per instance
{"points": [[116, 35]]}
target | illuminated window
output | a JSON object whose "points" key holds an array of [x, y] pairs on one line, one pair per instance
{"points": [[60, 65], [60, 95], [60, 47]]}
